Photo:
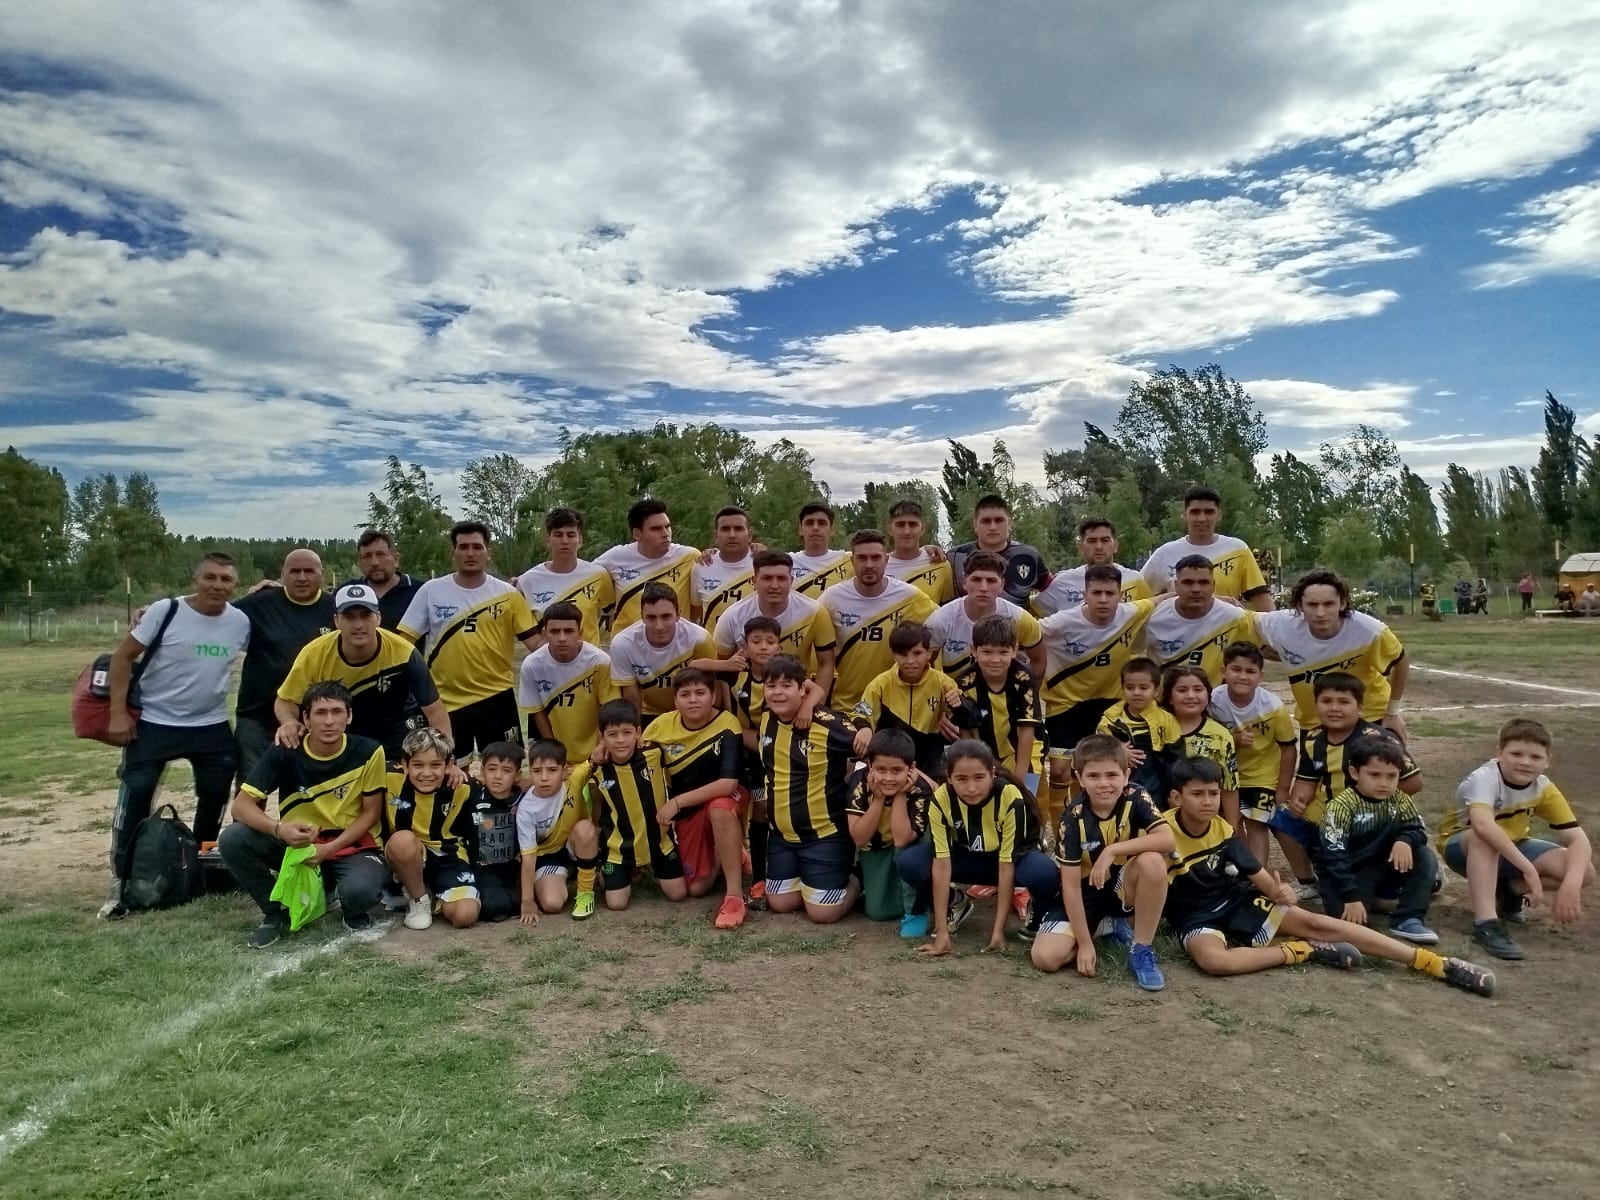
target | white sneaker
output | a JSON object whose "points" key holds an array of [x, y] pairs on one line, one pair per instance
{"points": [[419, 913], [1306, 892]]}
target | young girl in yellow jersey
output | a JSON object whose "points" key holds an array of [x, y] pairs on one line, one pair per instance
{"points": [[1186, 694]]}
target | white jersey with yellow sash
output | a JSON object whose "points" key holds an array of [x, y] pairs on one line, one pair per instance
{"points": [[631, 571], [952, 631], [468, 636], [1363, 646], [1175, 640]]}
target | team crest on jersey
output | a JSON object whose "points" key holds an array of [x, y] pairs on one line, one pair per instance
{"points": [[1226, 567], [934, 702], [443, 612], [543, 598], [676, 750], [848, 619], [1023, 570], [805, 750], [955, 647], [340, 792]]}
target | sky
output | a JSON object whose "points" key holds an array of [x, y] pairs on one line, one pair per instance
{"points": [[253, 249]]}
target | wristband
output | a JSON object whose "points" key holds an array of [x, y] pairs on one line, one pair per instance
{"points": [[277, 825]]}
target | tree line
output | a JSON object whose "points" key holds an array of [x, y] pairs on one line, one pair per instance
{"points": [[1354, 504]]}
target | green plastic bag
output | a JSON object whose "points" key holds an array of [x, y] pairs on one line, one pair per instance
{"points": [[299, 887]]}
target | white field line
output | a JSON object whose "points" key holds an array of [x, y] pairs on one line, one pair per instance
{"points": [[37, 1120], [1516, 683], [1471, 707]]}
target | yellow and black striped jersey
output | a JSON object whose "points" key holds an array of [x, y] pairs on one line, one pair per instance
{"points": [[652, 669], [952, 631], [748, 695], [891, 703], [1322, 762], [624, 799], [807, 627], [630, 571], [1004, 824], [915, 801], [440, 820], [388, 689], [864, 624], [934, 579], [1000, 713], [1211, 739], [1152, 730], [468, 636], [1083, 833], [1173, 639], [696, 757], [1513, 807], [806, 772], [569, 694], [1200, 886], [1270, 727], [1084, 660], [324, 792], [1236, 571], [588, 585], [717, 586], [1363, 646], [1066, 590], [814, 575]]}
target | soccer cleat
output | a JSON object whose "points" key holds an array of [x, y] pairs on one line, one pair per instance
{"points": [[982, 891], [113, 909], [265, 934], [582, 906], [1142, 966], [1020, 901], [758, 896], [1510, 904], [960, 909], [1335, 954], [419, 912], [357, 922], [915, 925], [1412, 930], [1469, 976], [731, 914], [1492, 937]]}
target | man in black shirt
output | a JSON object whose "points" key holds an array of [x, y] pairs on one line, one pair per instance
{"points": [[379, 564], [1025, 568], [282, 620]]}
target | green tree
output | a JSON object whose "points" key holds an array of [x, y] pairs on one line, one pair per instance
{"points": [[494, 490], [412, 512], [33, 514], [1079, 482], [143, 543], [1585, 531], [1555, 476], [872, 510], [1469, 515], [1298, 499], [1519, 538], [1350, 545], [1190, 423], [1124, 508], [966, 478], [1420, 520], [1361, 470]]}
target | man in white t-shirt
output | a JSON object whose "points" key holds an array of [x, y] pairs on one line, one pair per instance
{"points": [[1237, 573], [651, 557], [189, 646], [806, 629]]}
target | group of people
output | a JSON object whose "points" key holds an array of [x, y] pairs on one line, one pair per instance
{"points": [[885, 723]]}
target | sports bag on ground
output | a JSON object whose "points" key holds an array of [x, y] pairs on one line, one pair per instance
{"points": [[165, 867]]}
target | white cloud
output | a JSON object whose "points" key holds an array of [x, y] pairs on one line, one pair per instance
{"points": [[1561, 237], [1303, 404]]}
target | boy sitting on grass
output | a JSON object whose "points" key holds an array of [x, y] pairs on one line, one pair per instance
{"points": [[426, 827], [1226, 908], [625, 783], [553, 836], [1375, 846], [1112, 848], [1140, 723], [914, 696], [1487, 839], [888, 810], [1001, 695]]}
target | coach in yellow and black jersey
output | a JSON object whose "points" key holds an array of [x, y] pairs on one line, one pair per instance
{"points": [[810, 851], [865, 609], [385, 674], [469, 623], [330, 794]]}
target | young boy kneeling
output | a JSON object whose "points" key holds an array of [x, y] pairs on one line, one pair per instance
{"points": [[426, 826], [1227, 909], [553, 837], [1487, 839], [888, 810], [1112, 847]]}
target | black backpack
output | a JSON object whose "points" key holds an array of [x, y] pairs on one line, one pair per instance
{"points": [[165, 869]]}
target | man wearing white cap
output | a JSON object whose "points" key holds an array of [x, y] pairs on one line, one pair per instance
{"points": [[384, 672]]}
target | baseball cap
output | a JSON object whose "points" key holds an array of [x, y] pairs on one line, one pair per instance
{"points": [[355, 595]]}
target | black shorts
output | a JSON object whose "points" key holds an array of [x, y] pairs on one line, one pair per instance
{"points": [[617, 875], [1258, 803], [1248, 919], [499, 891], [449, 879], [482, 722], [1067, 729], [1098, 904], [820, 870]]}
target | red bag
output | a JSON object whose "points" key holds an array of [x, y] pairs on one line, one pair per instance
{"points": [[91, 694]]}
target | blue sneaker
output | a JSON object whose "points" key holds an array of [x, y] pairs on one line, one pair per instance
{"points": [[1414, 931], [1142, 965], [1118, 930], [915, 925]]}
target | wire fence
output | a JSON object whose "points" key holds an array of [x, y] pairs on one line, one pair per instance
{"points": [[64, 616]]}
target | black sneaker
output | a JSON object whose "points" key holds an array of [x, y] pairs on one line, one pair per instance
{"points": [[960, 909], [1030, 927], [1469, 976], [265, 934], [1510, 904], [357, 922], [1493, 938], [1335, 954]]}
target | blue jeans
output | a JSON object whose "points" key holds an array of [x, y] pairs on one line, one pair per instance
{"points": [[1035, 870]]}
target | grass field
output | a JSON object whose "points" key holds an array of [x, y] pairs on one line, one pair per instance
{"points": [[643, 1054]]}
